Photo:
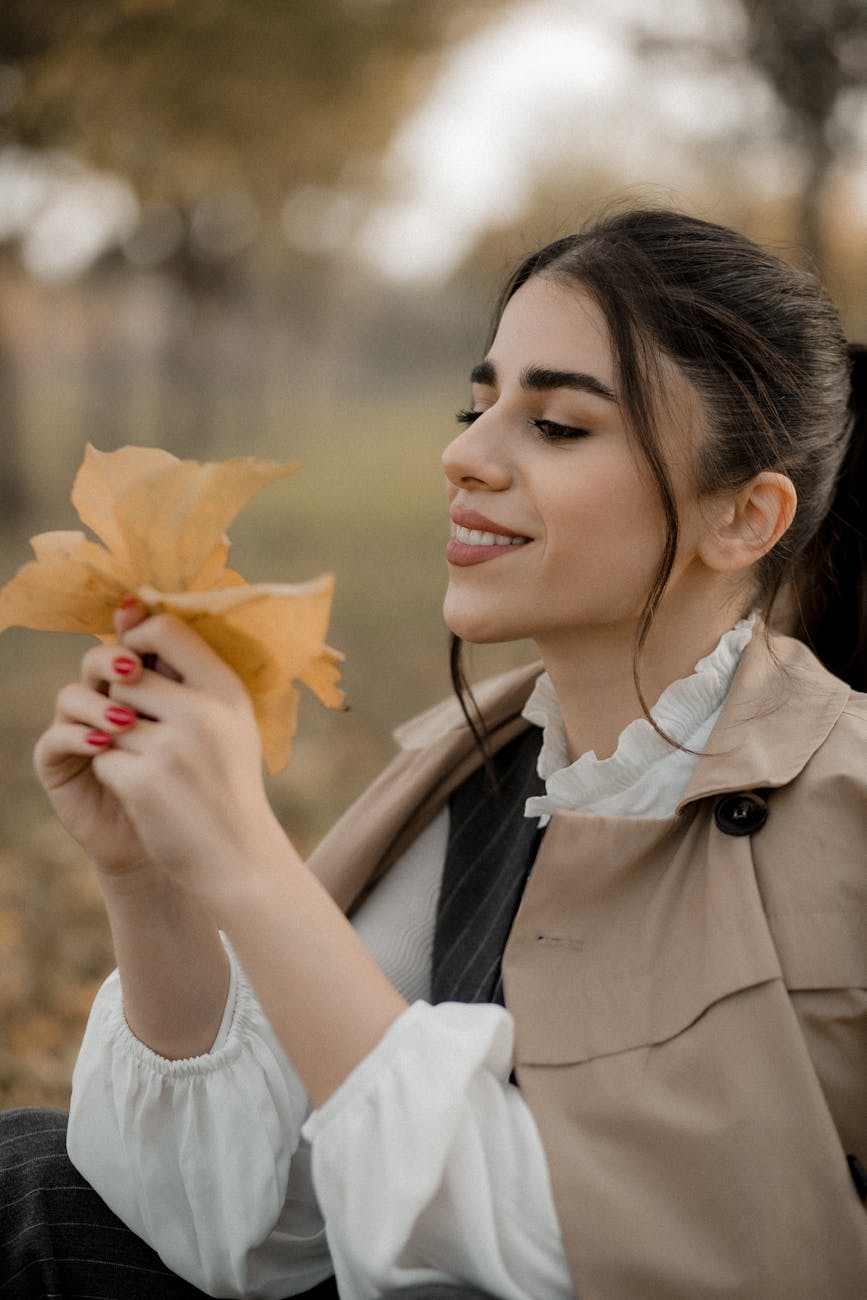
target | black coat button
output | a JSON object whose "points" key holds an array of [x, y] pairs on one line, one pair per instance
{"points": [[740, 814]]}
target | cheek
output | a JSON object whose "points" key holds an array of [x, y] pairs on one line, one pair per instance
{"points": [[605, 518], [602, 541]]}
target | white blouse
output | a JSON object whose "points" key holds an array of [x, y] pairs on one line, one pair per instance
{"points": [[426, 1164]]}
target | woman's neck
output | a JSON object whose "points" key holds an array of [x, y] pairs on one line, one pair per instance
{"points": [[592, 673]]}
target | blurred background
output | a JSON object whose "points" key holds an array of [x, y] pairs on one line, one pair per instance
{"points": [[277, 227]]}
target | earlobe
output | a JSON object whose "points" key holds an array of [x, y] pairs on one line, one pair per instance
{"points": [[750, 522]]}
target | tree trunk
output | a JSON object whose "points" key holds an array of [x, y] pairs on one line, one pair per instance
{"points": [[810, 204]]}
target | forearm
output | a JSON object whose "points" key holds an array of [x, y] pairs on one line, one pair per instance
{"points": [[173, 967], [325, 997]]}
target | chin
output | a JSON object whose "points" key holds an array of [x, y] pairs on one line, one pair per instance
{"points": [[477, 628]]}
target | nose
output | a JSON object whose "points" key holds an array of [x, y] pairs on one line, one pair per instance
{"points": [[477, 457]]}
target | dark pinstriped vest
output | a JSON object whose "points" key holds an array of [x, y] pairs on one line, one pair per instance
{"points": [[491, 850]]}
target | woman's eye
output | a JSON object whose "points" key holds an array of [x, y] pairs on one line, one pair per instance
{"points": [[467, 417], [551, 431]]}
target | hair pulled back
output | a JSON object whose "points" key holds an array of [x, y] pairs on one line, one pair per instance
{"points": [[761, 343]]}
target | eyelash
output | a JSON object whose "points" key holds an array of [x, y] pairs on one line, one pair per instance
{"points": [[549, 430]]}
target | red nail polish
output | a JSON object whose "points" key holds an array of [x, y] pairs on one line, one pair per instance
{"points": [[128, 601], [119, 716], [99, 739], [123, 665]]}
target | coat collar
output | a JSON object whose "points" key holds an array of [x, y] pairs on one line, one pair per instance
{"points": [[781, 706]]}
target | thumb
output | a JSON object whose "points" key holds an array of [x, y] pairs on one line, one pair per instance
{"points": [[128, 615]]}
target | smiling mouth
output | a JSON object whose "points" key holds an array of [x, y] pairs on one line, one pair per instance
{"points": [[475, 537], [469, 546]]}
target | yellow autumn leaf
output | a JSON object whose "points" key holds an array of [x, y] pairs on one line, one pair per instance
{"points": [[161, 525], [245, 626]]}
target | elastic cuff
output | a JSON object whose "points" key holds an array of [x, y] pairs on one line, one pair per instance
{"points": [[460, 1036], [227, 1047]]}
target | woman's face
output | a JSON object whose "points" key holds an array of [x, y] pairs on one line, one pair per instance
{"points": [[557, 526]]}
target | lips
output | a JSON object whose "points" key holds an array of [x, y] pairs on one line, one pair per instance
{"points": [[477, 538], [472, 521]]}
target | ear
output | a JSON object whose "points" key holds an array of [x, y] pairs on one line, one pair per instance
{"points": [[744, 525]]}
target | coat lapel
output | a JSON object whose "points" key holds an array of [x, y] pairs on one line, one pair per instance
{"points": [[437, 753]]}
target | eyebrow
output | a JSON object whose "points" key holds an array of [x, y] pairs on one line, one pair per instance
{"points": [[539, 379]]}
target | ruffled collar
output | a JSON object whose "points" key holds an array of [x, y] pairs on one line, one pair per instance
{"points": [[643, 760]]}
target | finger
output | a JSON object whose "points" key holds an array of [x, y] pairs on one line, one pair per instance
{"points": [[160, 666], [152, 696], [136, 740], [129, 614], [80, 704], [104, 664], [64, 749], [175, 643]]}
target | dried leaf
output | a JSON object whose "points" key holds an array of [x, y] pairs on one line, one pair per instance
{"points": [[270, 634], [73, 585], [166, 517], [162, 522]]}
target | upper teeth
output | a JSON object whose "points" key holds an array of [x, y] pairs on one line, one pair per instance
{"points": [[473, 537]]}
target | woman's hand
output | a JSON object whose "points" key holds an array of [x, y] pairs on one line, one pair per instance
{"points": [[86, 721], [143, 768], [188, 771]]}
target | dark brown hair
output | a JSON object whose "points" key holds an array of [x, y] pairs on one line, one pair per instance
{"points": [[761, 343]]}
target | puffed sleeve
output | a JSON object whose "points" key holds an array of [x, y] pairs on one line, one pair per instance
{"points": [[429, 1168], [202, 1157]]}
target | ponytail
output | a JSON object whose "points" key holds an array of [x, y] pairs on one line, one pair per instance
{"points": [[831, 582]]}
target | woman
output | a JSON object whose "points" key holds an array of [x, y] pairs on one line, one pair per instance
{"points": [[659, 1089]]}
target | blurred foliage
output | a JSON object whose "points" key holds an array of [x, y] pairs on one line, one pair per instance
{"points": [[216, 112], [813, 56], [196, 101]]}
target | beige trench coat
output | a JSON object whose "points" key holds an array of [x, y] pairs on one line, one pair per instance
{"points": [[690, 1005]]}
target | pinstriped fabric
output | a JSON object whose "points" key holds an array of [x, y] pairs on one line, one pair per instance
{"points": [[492, 847], [57, 1237]]}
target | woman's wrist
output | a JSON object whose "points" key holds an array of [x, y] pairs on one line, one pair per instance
{"points": [[136, 880], [174, 970], [234, 878]]}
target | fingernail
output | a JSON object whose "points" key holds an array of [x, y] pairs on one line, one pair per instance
{"points": [[123, 665], [128, 601], [119, 716], [99, 739]]}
